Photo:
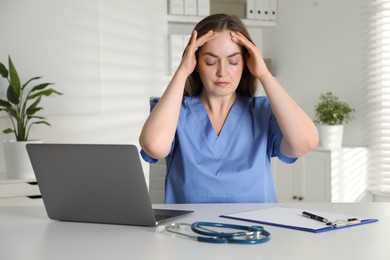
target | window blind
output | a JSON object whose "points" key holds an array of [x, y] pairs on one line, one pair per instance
{"points": [[378, 95]]}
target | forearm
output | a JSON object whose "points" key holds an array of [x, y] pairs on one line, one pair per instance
{"points": [[299, 133], [160, 127]]}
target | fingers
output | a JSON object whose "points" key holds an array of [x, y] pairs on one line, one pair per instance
{"points": [[193, 37], [205, 38], [255, 59], [198, 42], [239, 38], [194, 42], [188, 62]]}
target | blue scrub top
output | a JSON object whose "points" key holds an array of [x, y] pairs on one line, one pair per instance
{"points": [[233, 167]]}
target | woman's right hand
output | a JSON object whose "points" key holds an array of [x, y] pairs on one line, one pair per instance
{"points": [[159, 129], [188, 62]]}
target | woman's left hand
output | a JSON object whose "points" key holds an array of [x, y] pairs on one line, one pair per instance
{"points": [[299, 133], [255, 61]]}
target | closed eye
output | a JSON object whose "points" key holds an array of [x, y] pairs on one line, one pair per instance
{"points": [[234, 62], [210, 63]]}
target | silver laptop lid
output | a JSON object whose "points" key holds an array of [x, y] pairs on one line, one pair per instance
{"points": [[92, 183]]}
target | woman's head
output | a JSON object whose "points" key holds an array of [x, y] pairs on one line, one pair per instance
{"points": [[220, 23]]}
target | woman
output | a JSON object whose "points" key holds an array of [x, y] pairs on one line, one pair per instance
{"points": [[218, 137]]}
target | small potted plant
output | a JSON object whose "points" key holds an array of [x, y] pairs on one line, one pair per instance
{"points": [[331, 115], [21, 105]]}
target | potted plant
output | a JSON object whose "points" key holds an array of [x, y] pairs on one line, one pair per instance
{"points": [[21, 105], [331, 115]]}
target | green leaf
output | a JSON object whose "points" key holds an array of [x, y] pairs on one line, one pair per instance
{"points": [[37, 117], [40, 86], [14, 77], [11, 111], [32, 111], [33, 106], [5, 104], [3, 71], [25, 84], [330, 111], [40, 123], [12, 96], [17, 105], [8, 131], [46, 92]]}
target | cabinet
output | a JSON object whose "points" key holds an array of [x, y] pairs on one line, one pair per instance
{"points": [[323, 176], [192, 20], [320, 176], [16, 192], [157, 173], [178, 14], [180, 26]]}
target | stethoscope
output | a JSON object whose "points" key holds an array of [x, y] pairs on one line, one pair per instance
{"points": [[246, 235]]}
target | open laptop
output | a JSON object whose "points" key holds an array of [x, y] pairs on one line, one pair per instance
{"points": [[98, 183]]}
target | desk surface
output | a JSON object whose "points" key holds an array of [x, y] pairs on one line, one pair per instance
{"points": [[27, 233]]}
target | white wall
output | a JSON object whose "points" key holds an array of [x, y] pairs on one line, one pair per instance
{"points": [[130, 62], [316, 46]]}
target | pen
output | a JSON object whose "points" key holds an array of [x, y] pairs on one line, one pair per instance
{"points": [[349, 222], [315, 217]]}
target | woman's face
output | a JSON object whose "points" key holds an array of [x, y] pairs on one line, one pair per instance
{"points": [[220, 65]]}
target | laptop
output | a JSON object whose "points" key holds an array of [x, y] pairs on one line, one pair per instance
{"points": [[95, 183]]}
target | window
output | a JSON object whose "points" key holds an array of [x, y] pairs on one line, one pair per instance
{"points": [[378, 95]]}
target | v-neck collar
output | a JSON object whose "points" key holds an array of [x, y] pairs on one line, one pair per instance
{"points": [[231, 122]]}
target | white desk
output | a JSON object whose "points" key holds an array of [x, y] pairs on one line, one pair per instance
{"points": [[27, 233]]}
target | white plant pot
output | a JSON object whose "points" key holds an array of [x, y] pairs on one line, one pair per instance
{"points": [[331, 136], [17, 162]]}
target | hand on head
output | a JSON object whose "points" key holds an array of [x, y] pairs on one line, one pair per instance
{"points": [[255, 61], [188, 62]]}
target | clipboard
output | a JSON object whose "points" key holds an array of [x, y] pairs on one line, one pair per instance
{"points": [[292, 218]]}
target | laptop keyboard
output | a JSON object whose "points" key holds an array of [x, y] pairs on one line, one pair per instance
{"points": [[162, 216]]}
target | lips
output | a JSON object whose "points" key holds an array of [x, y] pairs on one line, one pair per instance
{"points": [[221, 83]]}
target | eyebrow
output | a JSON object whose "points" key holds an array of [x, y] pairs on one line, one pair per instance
{"points": [[214, 55]]}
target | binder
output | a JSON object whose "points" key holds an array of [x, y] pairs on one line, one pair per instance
{"points": [[190, 7], [250, 9], [273, 6], [176, 7], [262, 9], [292, 218], [203, 7], [177, 44]]}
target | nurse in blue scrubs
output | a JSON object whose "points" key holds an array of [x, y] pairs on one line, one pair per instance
{"points": [[218, 137]]}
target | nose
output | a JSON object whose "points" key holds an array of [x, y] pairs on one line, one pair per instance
{"points": [[221, 71]]}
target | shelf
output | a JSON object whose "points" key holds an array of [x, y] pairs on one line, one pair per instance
{"points": [[5, 179], [259, 23], [18, 189], [183, 19]]}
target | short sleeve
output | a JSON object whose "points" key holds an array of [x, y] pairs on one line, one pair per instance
{"points": [[147, 157], [153, 102]]}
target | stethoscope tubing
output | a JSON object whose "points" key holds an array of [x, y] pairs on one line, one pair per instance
{"points": [[197, 227], [249, 235]]}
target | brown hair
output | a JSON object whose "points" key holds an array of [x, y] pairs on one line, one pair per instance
{"points": [[217, 23]]}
